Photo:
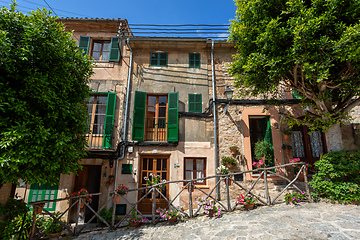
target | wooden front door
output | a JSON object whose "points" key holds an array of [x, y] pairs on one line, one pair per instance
{"points": [[157, 165], [307, 146]]}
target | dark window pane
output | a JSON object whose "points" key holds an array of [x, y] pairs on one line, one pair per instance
{"points": [[158, 165], [142, 178], [164, 166], [145, 160], [162, 112], [163, 62], [164, 175], [150, 164]]}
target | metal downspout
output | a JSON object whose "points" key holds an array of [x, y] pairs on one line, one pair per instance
{"points": [[126, 114], [214, 114]]}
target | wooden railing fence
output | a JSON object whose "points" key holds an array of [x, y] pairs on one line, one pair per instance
{"points": [[227, 207]]}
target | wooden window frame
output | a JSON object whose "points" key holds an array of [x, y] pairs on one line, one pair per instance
{"points": [[90, 135], [158, 59], [194, 167], [156, 129], [196, 62], [101, 50]]}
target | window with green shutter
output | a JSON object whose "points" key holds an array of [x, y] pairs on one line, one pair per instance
{"points": [[173, 117], [101, 109], [84, 44], [194, 60], [126, 169], [139, 116], [195, 103], [109, 120], [114, 50], [43, 192], [159, 59]]}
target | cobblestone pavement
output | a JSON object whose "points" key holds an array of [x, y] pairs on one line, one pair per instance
{"points": [[304, 221]]}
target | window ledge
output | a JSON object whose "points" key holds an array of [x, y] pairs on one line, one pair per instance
{"points": [[103, 64]]}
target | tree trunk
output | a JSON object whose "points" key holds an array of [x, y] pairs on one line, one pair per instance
{"points": [[333, 137]]}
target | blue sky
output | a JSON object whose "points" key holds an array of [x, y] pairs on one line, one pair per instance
{"points": [[140, 11]]}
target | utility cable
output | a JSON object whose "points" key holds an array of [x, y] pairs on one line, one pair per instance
{"points": [[50, 8]]}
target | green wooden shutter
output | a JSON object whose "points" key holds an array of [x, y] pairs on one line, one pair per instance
{"points": [[195, 103], [114, 50], [84, 44], [139, 116], [173, 117], [43, 192], [268, 138], [109, 120]]}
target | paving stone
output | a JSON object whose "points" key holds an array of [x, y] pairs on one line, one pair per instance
{"points": [[306, 221]]}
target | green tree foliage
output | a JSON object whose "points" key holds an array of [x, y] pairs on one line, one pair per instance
{"points": [[311, 46], [43, 84]]}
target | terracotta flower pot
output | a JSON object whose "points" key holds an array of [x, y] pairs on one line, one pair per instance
{"points": [[134, 224], [55, 235], [117, 199], [173, 220], [233, 151], [249, 206], [286, 137]]}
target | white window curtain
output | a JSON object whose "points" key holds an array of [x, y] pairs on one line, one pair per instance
{"points": [[316, 144], [297, 144]]}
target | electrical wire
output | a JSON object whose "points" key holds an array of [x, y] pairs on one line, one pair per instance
{"points": [[55, 8]]}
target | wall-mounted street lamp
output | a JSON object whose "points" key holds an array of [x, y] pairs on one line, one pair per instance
{"points": [[229, 95]]}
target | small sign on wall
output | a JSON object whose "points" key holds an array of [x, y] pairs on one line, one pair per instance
{"points": [[177, 165]]}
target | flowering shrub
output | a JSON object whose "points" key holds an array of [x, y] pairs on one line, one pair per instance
{"points": [[209, 208], [296, 197], [166, 214], [135, 219], [338, 176], [222, 170], [260, 163], [83, 191], [246, 200], [153, 180], [121, 190]]}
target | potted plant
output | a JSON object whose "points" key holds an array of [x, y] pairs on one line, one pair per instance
{"points": [[153, 180], [233, 149], [121, 190], [248, 201], [134, 221], [209, 208], [111, 179], [287, 134], [264, 149], [228, 162], [171, 215], [286, 148], [82, 191], [296, 197], [50, 227], [106, 215]]}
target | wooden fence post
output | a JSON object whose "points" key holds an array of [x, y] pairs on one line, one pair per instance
{"points": [[190, 200]]}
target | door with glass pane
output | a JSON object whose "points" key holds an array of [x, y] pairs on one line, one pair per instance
{"points": [[308, 146], [158, 166]]}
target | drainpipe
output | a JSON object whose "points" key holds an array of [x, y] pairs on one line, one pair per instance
{"points": [[214, 114], [126, 113]]}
